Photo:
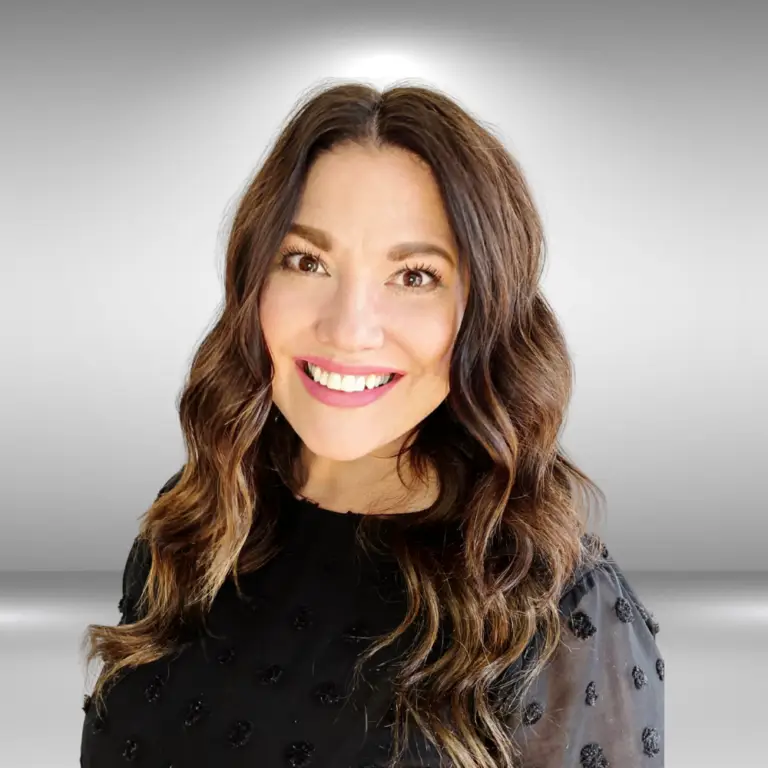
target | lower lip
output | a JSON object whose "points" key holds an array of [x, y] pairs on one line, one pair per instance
{"points": [[340, 399]]}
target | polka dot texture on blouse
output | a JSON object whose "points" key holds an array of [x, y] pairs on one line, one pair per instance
{"points": [[600, 702], [268, 684]]}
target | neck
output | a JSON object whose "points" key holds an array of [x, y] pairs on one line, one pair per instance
{"points": [[369, 484]]}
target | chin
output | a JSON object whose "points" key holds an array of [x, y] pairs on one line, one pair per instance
{"points": [[336, 448]]}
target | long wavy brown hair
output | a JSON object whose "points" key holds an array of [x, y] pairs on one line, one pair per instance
{"points": [[518, 507]]}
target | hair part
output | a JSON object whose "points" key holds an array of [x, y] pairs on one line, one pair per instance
{"points": [[488, 564]]}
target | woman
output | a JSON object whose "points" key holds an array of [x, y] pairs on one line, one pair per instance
{"points": [[376, 552]]}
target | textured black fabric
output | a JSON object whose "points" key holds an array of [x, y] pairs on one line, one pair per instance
{"points": [[267, 684]]}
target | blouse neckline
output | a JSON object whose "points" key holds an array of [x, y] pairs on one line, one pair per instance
{"points": [[314, 507]]}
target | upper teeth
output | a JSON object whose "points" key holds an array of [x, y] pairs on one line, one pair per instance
{"points": [[346, 383]]}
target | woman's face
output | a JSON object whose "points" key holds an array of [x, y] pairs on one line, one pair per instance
{"points": [[342, 296]]}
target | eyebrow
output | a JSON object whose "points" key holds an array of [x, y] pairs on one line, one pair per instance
{"points": [[399, 252]]}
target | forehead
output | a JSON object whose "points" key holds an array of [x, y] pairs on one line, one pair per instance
{"points": [[354, 187]]}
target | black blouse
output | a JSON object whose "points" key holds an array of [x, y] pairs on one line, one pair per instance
{"points": [[266, 684]]}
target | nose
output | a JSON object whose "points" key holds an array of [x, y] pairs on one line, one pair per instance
{"points": [[350, 319]]}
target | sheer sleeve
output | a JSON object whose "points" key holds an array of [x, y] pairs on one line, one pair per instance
{"points": [[599, 703], [136, 569]]}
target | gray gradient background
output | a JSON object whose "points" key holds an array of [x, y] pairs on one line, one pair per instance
{"points": [[128, 131]]}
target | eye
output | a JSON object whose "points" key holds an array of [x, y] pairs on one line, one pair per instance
{"points": [[298, 260], [420, 277]]}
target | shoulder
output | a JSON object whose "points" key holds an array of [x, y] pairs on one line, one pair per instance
{"points": [[138, 564], [604, 586], [135, 575], [170, 482], [139, 557]]}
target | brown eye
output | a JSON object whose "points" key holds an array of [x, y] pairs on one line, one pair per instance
{"points": [[300, 261], [413, 279], [419, 278], [307, 264]]}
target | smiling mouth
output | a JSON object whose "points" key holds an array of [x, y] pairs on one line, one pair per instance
{"points": [[345, 383]]}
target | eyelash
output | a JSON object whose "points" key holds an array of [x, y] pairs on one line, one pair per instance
{"points": [[437, 279]]}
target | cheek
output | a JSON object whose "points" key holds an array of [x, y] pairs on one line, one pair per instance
{"points": [[429, 336], [282, 319]]}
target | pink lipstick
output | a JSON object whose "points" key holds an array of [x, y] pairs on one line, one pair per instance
{"points": [[337, 398]]}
